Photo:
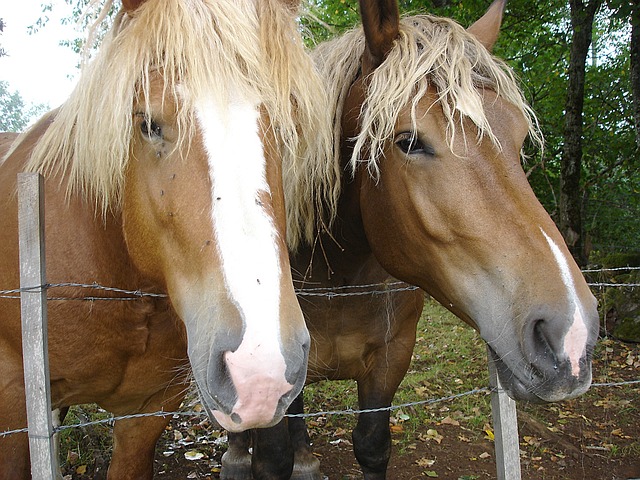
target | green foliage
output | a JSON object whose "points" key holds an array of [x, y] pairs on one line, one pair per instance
{"points": [[14, 114]]}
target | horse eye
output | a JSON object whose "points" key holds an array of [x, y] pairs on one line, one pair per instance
{"points": [[149, 128], [410, 144]]}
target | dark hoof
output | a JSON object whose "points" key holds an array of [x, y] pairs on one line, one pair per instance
{"points": [[307, 469], [236, 466]]}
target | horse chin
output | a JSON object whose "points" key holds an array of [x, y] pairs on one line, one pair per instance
{"points": [[541, 390]]}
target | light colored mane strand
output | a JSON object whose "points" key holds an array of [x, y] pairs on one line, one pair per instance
{"points": [[429, 51]]}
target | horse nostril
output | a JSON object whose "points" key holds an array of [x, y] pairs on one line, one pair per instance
{"points": [[541, 352], [541, 343]]}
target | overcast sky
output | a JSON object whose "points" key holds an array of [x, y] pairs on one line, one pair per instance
{"points": [[37, 66]]}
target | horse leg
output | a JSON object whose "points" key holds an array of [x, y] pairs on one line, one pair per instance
{"points": [[306, 466], [272, 457], [134, 444], [134, 439], [273, 450], [236, 461], [14, 449], [372, 443], [372, 437]]}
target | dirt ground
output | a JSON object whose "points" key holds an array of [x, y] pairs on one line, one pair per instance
{"points": [[595, 437]]}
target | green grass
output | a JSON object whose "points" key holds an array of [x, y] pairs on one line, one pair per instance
{"points": [[87, 446]]}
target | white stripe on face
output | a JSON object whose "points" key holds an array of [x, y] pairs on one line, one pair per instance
{"points": [[575, 340], [246, 239]]}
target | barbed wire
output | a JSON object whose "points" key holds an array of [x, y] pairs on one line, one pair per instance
{"points": [[330, 292], [348, 411], [616, 269], [382, 288]]}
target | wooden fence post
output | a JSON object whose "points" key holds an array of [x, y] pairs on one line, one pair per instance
{"points": [[505, 428], [33, 304]]}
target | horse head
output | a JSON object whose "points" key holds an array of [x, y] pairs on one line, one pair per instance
{"points": [[434, 127], [185, 139]]}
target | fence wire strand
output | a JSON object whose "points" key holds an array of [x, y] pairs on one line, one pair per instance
{"points": [[348, 411], [330, 292]]}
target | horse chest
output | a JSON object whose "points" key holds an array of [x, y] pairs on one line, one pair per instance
{"points": [[344, 337], [116, 355]]}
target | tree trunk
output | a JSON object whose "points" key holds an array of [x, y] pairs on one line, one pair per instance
{"points": [[571, 195], [635, 66]]}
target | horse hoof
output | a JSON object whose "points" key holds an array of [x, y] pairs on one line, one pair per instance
{"points": [[236, 467], [308, 476], [308, 470]]}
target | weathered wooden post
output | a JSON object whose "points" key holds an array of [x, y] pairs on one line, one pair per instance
{"points": [[505, 428], [33, 304]]}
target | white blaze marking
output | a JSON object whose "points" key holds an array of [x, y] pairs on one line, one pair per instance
{"points": [[246, 238], [575, 340]]}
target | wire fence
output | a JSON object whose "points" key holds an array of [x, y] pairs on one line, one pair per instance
{"points": [[347, 411], [330, 292]]}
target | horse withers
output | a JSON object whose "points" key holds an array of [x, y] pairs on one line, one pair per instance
{"points": [[163, 174], [428, 133]]}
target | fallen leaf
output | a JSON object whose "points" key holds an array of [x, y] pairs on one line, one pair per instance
{"points": [[81, 470], [425, 462], [431, 473], [72, 457], [484, 455], [193, 455], [489, 433], [532, 441], [449, 421], [396, 428], [433, 434]]}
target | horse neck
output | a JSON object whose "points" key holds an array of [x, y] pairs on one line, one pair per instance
{"points": [[348, 223], [342, 255]]}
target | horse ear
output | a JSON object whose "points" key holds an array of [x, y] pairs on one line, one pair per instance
{"points": [[131, 5], [381, 23], [487, 28]]}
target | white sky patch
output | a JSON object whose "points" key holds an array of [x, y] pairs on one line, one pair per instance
{"points": [[575, 340], [36, 65]]}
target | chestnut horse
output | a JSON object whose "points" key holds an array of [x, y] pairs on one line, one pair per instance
{"points": [[428, 131], [163, 174]]}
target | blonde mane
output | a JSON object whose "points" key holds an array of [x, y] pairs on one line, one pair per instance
{"points": [[254, 47], [429, 51]]}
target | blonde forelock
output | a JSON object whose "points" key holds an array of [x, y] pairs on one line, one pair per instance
{"points": [[430, 51]]}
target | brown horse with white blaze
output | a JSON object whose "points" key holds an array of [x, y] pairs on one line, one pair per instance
{"points": [[428, 131], [163, 174]]}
